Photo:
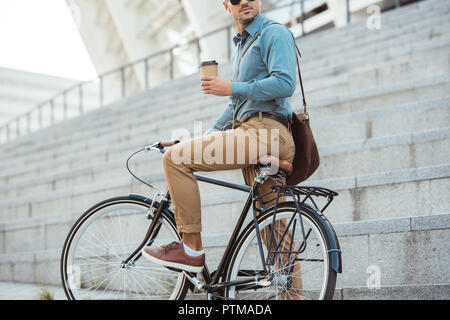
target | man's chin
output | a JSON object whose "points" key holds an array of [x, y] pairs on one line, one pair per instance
{"points": [[247, 20]]}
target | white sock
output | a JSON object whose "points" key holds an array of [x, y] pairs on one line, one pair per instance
{"points": [[191, 252]]}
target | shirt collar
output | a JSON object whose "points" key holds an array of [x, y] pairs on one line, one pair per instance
{"points": [[251, 30]]}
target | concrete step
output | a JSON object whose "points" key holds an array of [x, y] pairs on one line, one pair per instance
{"points": [[386, 95], [400, 292], [313, 64], [431, 59], [383, 122], [407, 251]]}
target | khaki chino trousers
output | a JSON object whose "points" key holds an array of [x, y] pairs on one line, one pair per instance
{"points": [[238, 148]]}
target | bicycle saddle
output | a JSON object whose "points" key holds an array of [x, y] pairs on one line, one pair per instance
{"points": [[272, 160]]}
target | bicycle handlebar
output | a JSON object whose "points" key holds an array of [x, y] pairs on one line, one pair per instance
{"points": [[160, 145]]}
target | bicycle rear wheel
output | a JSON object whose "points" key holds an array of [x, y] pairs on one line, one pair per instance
{"points": [[92, 259], [304, 276]]}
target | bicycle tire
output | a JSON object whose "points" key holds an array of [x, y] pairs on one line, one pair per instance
{"points": [[264, 220], [88, 219]]}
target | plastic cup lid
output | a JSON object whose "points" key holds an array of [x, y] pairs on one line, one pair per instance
{"points": [[208, 63]]}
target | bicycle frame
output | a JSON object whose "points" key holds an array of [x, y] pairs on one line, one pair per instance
{"points": [[164, 204], [213, 283]]}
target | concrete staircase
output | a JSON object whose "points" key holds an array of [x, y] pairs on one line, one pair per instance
{"points": [[380, 110]]}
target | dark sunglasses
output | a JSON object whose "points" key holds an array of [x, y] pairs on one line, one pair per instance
{"points": [[236, 2]]}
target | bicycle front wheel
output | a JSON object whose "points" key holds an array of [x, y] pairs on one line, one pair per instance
{"points": [[92, 262], [300, 270]]}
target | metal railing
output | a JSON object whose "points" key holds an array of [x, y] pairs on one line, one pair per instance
{"points": [[85, 96]]}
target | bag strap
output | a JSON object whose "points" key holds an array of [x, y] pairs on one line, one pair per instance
{"points": [[300, 79], [249, 45], [245, 51]]}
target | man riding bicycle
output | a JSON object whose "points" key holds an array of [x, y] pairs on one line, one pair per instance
{"points": [[260, 113]]}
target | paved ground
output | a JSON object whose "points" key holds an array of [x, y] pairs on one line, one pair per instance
{"points": [[20, 291]]}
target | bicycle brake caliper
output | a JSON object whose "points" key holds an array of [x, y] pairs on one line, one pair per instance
{"points": [[152, 210]]}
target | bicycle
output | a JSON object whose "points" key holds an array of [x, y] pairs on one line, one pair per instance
{"points": [[101, 257]]}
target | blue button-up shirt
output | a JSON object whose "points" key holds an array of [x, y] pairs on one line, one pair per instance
{"points": [[267, 73]]}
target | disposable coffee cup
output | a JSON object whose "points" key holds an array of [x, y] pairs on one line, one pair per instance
{"points": [[209, 68]]}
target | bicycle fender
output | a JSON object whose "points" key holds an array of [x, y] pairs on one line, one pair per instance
{"points": [[335, 251]]}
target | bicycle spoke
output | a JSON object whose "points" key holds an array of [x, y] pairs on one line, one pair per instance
{"points": [[106, 246], [150, 281], [155, 281], [110, 282], [145, 292], [121, 234], [104, 237], [94, 255], [109, 237], [91, 279], [99, 284], [96, 261]]}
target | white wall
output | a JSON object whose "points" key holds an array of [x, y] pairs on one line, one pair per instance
{"points": [[20, 91]]}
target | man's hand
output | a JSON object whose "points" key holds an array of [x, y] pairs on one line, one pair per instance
{"points": [[216, 86]]}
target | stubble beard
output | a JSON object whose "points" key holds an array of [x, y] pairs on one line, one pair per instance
{"points": [[246, 20]]}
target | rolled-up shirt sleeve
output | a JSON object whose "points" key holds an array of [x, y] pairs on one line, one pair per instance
{"points": [[280, 56]]}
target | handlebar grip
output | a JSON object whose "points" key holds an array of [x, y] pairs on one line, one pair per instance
{"points": [[168, 143]]}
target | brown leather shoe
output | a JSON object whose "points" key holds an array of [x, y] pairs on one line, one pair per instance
{"points": [[173, 256]]}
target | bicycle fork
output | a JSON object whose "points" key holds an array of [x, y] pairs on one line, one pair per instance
{"points": [[153, 230]]}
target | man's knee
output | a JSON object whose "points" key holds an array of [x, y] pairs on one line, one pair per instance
{"points": [[167, 158], [174, 155]]}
